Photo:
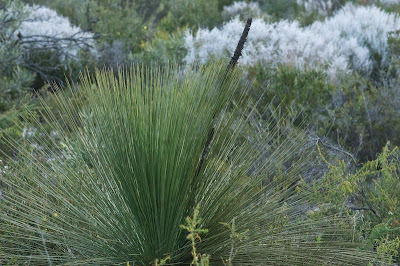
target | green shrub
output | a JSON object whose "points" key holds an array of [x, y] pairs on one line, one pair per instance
{"points": [[351, 110], [286, 84], [15, 80], [373, 190], [163, 49], [365, 116], [193, 14], [386, 240], [286, 9], [10, 128]]}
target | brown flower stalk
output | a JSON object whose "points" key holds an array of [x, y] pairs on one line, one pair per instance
{"points": [[232, 64]]}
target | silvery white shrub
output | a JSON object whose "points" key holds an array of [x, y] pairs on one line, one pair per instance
{"points": [[45, 29], [241, 8], [282, 42], [28, 132], [344, 42], [361, 32]]}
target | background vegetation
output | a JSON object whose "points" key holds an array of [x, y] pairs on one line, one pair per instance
{"points": [[342, 88]]}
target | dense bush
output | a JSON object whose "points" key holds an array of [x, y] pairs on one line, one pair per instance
{"points": [[352, 110], [344, 42], [164, 48], [372, 190], [15, 80], [191, 13]]}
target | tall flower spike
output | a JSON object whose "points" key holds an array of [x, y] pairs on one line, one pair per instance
{"points": [[232, 63], [239, 47]]}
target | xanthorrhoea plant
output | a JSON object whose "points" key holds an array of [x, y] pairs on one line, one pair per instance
{"points": [[126, 178]]}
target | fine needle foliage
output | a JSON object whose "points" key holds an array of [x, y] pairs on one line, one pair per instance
{"points": [[126, 175]]}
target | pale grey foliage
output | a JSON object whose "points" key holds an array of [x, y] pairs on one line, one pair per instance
{"points": [[347, 41], [45, 29]]}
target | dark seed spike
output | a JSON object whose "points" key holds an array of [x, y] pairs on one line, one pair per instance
{"points": [[239, 47], [232, 63]]}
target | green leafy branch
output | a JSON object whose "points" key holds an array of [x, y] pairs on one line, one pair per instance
{"points": [[235, 237], [194, 233]]}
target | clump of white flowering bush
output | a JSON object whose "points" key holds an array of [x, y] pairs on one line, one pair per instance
{"points": [[45, 29], [36, 39], [355, 38]]}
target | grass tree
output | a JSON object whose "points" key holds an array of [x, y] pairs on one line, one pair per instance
{"points": [[120, 189], [135, 152]]}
